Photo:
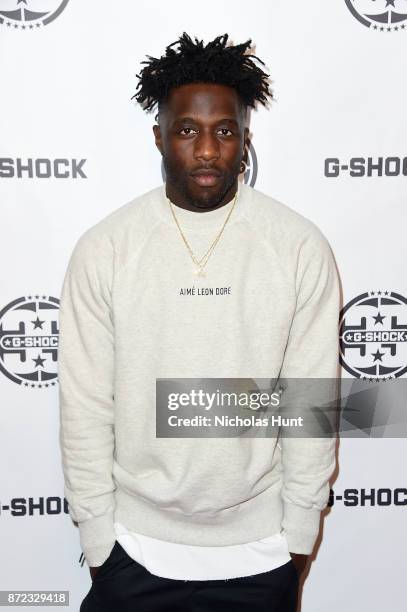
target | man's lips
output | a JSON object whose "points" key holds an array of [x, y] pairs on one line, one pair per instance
{"points": [[206, 177]]}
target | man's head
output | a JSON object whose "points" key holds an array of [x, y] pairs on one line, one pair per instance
{"points": [[202, 94]]}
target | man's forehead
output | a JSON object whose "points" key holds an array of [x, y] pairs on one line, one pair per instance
{"points": [[203, 101], [207, 118]]}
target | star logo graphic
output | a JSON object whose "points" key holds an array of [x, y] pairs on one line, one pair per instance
{"points": [[377, 355], [38, 323], [373, 335], [39, 362], [380, 16], [379, 318], [30, 15]]}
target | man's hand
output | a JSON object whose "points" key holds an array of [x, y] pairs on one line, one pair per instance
{"points": [[299, 561], [94, 571]]}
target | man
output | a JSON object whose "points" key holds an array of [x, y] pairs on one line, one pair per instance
{"points": [[203, 277]]}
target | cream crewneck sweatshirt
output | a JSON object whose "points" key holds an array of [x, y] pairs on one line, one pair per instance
{"points": [[126, 320]]}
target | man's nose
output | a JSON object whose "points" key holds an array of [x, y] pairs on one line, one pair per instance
{"points": [[206, 147]]}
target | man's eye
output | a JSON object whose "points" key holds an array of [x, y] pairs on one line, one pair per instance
{"points": [[225, 132], [186, 131]]}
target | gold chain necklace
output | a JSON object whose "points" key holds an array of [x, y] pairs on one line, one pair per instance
{"points": [[201, 263]]}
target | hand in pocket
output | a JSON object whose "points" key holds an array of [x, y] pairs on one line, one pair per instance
{"points": [[95, 569]]}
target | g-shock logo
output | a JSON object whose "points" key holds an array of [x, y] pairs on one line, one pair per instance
{"points": [[26, 15], [29, 334], [380, 15], [373, 336], [41, 167], [366, 166]]}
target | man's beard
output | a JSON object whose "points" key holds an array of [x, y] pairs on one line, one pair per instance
{"points": [[179, 179]]}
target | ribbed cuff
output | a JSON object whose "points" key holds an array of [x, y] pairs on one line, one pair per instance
{"points": [[301, 527], [97, 538]]}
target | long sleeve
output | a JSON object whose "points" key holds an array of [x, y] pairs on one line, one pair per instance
{"points": [[86, 394], [311, 353]]}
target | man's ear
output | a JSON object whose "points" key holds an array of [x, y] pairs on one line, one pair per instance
{"points": [[245, 139], [158, 139]]}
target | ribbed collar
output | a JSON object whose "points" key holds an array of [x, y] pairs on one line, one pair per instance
{"points": [[201, 221]]}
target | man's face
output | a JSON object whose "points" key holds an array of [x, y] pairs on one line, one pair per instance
{"points": [[201, 136]]}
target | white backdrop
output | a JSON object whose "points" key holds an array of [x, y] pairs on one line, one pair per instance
{"points": [[66, 85]]}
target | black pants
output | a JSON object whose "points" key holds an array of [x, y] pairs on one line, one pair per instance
{"points": [[124, 585]]}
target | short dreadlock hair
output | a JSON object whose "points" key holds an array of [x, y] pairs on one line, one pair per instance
{"points": [[194, 62]]}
